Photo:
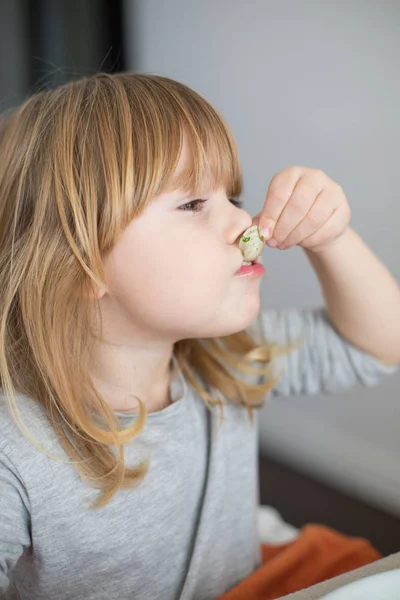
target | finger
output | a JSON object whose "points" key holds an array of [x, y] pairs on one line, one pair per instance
{"points": [[279, 191], [304, 195], [319, 213], [331, 229]]}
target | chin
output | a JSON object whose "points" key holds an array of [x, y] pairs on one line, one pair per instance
{"points": [[241, 320], [249, 319]]}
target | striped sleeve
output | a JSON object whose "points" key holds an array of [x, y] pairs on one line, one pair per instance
{"points": [[324, 362]]}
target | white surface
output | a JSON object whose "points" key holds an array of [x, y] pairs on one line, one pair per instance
{"points": [[315, 84], [272, 529], [360, 467], [381, 586]]}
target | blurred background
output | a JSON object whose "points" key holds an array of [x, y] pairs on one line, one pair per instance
{"points": [[300, 82]]}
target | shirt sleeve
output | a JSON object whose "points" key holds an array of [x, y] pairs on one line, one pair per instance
{"points": [[324, 362], [14, 522]]}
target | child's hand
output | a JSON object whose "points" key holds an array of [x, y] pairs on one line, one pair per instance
{"points": [[303, 207]]}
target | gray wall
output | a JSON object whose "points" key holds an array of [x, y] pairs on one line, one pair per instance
{"points": [[316, 84]]}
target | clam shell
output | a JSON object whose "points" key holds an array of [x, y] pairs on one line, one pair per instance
{"points": [[251, 243]]}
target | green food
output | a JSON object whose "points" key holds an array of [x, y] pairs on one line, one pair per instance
{"points": [[251, 244]]}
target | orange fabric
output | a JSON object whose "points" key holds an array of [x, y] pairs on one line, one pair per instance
{"points": [[318, 553]]}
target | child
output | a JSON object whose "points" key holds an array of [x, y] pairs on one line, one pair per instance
{"points": [[126, 335]]}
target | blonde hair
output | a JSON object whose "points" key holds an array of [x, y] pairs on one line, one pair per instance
{"points": [[77, 163]]}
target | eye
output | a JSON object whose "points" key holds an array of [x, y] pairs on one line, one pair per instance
{"points": [[236, 202], [194, 206]]}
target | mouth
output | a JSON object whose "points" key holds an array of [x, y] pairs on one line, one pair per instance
{"points": [[257, 261], [251, 268]]}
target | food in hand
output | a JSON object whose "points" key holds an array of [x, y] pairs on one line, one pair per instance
{"points": [[251, 244]]}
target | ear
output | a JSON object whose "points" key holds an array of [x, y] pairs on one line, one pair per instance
{"points": [[91, 291]]}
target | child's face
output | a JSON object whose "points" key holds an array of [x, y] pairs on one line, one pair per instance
{"points": [[172, 272]]}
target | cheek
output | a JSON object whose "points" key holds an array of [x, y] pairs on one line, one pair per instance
{"points": [[187, 279], [170, 282]]}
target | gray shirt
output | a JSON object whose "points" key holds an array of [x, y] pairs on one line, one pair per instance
{"points": [[189, 530]]}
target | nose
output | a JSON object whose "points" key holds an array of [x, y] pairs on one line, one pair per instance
{"points": [[243, 222]]}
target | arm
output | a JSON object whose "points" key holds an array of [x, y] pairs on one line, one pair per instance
{"points": [[324, 362], [357, 336], [362, 298], [14, 521]]}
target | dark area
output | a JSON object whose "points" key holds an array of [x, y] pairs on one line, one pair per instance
{"points": [[114, 16], [70, 38], [301, 499]]}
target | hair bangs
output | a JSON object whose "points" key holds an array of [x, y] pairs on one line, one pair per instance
{"points": [[213, 160], [211, 164], [150, 120]]}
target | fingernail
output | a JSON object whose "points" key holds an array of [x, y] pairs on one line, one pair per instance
{"points": [[266, 233], [281, 246], [272, 243]]}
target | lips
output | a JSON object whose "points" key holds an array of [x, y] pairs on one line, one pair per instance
{"points": [[254, 270], [258, 260]]}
